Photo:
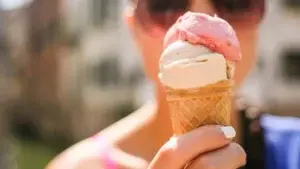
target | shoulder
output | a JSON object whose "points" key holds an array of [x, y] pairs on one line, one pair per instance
{"points": [[88, 153], [77, 155]]}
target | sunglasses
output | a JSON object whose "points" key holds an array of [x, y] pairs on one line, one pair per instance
{"points": [[164, 13]]}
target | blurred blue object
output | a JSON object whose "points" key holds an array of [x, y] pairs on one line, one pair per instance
{"points": [[282, 142]]}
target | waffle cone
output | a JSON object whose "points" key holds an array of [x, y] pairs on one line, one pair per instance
{"points": [[192, 108]]}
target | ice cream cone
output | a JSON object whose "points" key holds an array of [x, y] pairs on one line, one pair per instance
{"points": [[197, 69], [192, 108]]}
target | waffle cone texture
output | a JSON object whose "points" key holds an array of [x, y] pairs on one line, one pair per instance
{"points": [[192, 108]]}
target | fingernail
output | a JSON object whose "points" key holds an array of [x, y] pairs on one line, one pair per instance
{"points": [[228, 131]]}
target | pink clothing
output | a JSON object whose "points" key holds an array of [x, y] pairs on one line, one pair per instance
{"points": [[105, 152]]}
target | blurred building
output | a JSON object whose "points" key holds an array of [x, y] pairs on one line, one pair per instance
{"points": [[11, 35], [75, 64], [276, 80], [9, 86], [32, 29], [110, 71]]}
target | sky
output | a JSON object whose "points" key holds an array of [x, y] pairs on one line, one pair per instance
{"points": [[13, 4]]}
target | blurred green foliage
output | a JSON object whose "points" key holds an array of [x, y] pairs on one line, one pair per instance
{"points": [[32, 154]]}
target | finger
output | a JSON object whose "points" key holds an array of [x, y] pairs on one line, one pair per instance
{"points": [[229, 157], [180, 150], [241, 103]]}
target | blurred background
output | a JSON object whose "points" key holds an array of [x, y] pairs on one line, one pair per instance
{"points": [[69, 68]]}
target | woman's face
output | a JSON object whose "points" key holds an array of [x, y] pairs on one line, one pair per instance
{"points": [[150, 43]]}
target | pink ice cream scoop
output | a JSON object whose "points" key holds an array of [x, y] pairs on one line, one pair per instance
{"points": [[199, 50], [212, 32]]}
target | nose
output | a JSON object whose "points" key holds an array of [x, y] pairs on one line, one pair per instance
{"points": [[291, 64]]}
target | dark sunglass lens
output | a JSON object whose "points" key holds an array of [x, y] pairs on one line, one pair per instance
{"points": [[167, 5], [162, 13], [233, 5], [243, 11]]}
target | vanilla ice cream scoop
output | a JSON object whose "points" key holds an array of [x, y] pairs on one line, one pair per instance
{"points": [[184, 65]]}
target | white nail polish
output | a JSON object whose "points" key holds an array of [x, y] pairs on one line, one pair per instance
{"points": [[228, 131]]}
